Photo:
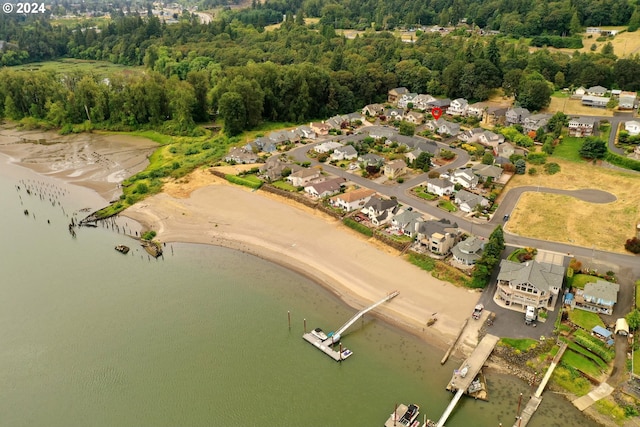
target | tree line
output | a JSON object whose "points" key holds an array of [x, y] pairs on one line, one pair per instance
{"points": [[296, 73]]}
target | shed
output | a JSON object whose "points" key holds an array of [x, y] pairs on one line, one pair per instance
{"points": [[568, 298], [601, 332], [622, 327]]}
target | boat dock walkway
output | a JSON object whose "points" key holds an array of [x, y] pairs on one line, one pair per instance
{"points": [[523, 418], [470, 368], [327, 345]]}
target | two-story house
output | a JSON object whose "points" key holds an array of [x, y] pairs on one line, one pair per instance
{"points": [[303, 177], [407, 222], [440, 186], [464, 177], [468, 251], [530, 283], [516, 116], [352, 200], [582, 126], [373, 110], [325, 188], [346, 152], [438, 236], [379, 210], [598, 297], [458, 107], [536, 121], [633, 127], [406, 99], [395, 94], [395, 168], [468, 202]]}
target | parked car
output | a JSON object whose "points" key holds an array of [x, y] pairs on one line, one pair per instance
{"points": [[477, 311]]}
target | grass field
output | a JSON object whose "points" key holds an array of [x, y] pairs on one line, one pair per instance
{"points": [[581, 363], [569, 220], [579, 280], [523, 344], [101, 68], [574, 107], [569, 149], [585, 319]]}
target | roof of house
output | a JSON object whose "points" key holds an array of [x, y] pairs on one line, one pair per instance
{"points": [[603, 290], [597, 89], [487, 170], [439, 182], [347, 150], [305, 173], [407, 216], [359, 194], [600, 99], [518, 111], [605, 333], [396, 164], [631, 123], [543, 276], [330, 185], [582, 121], [379, 204], [371, 158], [441, 226], [399, 90], [464, 196], [470, 249]]}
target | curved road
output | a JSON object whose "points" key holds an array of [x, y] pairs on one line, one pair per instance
{"points": [[629, 265]]}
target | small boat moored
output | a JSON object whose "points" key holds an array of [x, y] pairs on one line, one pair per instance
{"points": [[122, 249], [319, 333]]}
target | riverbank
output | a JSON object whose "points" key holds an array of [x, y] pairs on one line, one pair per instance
{"points": [[204, 209]]}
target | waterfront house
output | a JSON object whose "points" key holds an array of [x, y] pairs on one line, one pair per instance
{"points": [[468, 251], [530, 283], [598, 297], [352, 200], [379, 210], [437, 236], [303, 177], [325, 188], [406, 222]]}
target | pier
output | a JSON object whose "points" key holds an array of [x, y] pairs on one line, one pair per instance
{"points": [[326, 345], [469, 370], [523, 418]]}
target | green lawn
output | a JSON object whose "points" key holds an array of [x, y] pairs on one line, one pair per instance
{"points": [[447, 206], [571, 381], [424, 195], [569, 149], [524, 344], [283, 185], [579, 280], [581, 363], [560, 94], [68, 65], [636, 362], [585, 319], [586, 353]]}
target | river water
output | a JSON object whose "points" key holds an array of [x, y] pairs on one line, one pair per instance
{"points": [[91, 337]]}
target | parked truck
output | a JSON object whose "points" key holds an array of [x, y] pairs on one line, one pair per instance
{"points": [[530, 315]]}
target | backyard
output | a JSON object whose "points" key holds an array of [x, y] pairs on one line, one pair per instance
{"points": [[585, 319]]}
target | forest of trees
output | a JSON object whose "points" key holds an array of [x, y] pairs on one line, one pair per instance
{"points": [[190, 72]]}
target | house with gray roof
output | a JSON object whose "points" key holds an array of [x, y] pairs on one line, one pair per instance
{"points": [[627, 100], [379, 210], [487, 171], [597, 91], [471, 135], [306, 132], [477, 110], [379, 132], [327, 147], [373, 110], [458, 107], [495, 116], [439, 186], [414, 117], [440, 103], [421, 102], [582, 126], [535, 122], [406, 99], [395, 168], [394, 113], [464, 177], [325, 188], [598, 297], [346, 152], [371, 159], [274, 167], [240, 156], [303, 177], [633, 127], [468, 251], [516, 116], [396, 93], [530, 283], [467, 201], [438, 236], [406, 222], [595, 101]]}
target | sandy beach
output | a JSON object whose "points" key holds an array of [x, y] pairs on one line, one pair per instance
{"points": [[205, 209]]}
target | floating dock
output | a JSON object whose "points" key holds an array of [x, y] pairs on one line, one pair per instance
{"points": [[326, 345]]}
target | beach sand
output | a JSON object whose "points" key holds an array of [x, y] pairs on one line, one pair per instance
{"points": [[202, 208]]}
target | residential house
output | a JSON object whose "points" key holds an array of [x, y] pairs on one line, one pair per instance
{"points": [[414, 117], [597, 91], [395, 94], [582, 126], [490, 139], [379, 210], [373, 110], [352, 200], [468, 251], [471, 135], [633, 127], [469, 201], [338, 121], [448, 128], [593, 30], [274, 167], [627, 101], [306, 132], [407, 222], [458, 107], [516, 116], [283, 136], [598, 297], [320, 128], [406, 99], [616, 92], [495, 116], [346, 152], [440, 103], [507, 149], [303, 177], [324, 188], [530, 283], [477, 110], [395, 168], [439, 186], [371, 159], [438, 236], [240, 156], [421, 102], [487, 171], [580, 91], [327, 147], [464, 177], [595, 101], [394, 113], [536, 121], [380, 132]]}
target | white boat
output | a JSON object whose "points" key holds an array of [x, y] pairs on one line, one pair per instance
{"points": [[346, 353], [319, 333]]}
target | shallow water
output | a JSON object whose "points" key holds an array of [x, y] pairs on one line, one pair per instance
{"points": [[200, 337]]}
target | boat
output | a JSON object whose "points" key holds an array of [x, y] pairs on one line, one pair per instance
{"points": [[319, 333], [408, 419], [346, 353], [411, 415], [122, 249]]}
